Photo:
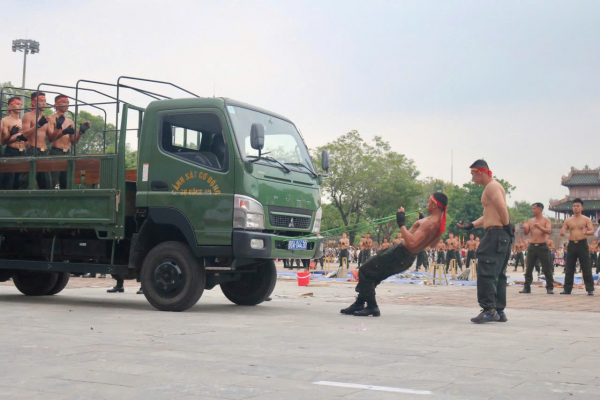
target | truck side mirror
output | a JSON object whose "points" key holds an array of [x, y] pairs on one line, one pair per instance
{"points": [[257, 136], [325, 160]]}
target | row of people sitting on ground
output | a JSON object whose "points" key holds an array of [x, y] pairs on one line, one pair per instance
{"points": [[34, 134]]}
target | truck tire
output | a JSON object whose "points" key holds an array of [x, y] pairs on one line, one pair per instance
{"points": [[6, 274], [253, 288], [172, 277], [35, 283], [61, 283]]}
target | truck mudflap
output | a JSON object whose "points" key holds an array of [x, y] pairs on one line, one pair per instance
{"points": [[247, 244]]}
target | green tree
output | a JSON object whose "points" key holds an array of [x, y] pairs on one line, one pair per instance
{"points": [[367, 181], [130, 157], [431, 185], [347, 177], [92, 142], [521, 211], [395, 184]]}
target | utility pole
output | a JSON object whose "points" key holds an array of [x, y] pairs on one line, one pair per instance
{"points": [[26, 46]]}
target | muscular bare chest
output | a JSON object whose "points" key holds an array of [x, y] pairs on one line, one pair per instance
{"points": [[578, 224]]}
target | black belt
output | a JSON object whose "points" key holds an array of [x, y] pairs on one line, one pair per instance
{"points": [[494, 228]]}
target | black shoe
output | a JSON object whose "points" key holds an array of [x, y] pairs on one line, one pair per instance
{"points": [[141, 291], [502, 316], [526, 289], [515, 270], [358, 305], [486, 316], [565, 292], [550, 290], [116, 289], [590, 292], [368, 310]]}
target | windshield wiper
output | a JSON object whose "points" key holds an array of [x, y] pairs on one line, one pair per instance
{"points": [[312, 173], [268, 158]]}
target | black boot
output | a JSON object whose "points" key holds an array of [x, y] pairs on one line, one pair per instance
{"points": [[526, 289], [356, 306], [116, 289], [590, 292], [502, 316], [550, 290], [486, 316], [565, 292], [370, 309]]}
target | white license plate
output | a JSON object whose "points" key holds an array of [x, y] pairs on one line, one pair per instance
{"points": [[297, 244]]}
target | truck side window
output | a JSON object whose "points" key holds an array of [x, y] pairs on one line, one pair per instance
{"points": [[195, 137]]}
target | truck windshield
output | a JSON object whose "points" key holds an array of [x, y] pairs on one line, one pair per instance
{"points": [[282, 140]]}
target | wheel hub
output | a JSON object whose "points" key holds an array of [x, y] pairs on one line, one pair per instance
{"points": [[168, 279]]}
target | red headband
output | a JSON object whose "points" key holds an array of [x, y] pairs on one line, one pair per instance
{"points": [[483, 170], [440, 205], [61, 98], [14, 101], [35, 99]]}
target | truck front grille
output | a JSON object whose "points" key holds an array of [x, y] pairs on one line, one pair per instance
{"points": [[284, 221]]}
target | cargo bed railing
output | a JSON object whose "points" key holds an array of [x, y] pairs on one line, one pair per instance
{"points": [[119, 131]]}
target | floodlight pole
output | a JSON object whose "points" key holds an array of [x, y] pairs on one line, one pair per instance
{"points": [[23, 85], [26, 46]]}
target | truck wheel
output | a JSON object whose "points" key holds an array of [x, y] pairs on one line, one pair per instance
{"points": [[172, 278], [6, 274], [61, 283], [35, 283], [253, 288]]}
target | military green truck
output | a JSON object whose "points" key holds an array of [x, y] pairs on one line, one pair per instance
{"points": [[221, 190]]}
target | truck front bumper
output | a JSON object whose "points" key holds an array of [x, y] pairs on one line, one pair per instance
{"points": [[274, 246]]}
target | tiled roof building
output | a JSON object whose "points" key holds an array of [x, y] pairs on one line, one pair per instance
{"points": [[582, 183]]}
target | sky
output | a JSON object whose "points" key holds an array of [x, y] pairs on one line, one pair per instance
{"points": [[514, 82]]}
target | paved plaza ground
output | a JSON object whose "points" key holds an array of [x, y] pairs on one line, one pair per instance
{"points": [[87, 344]]}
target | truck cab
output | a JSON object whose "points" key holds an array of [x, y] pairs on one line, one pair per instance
{"points": [[200, 170]]}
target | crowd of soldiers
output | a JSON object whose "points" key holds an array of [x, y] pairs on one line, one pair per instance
{"points": [[454, 249], [38, 135], [558, 255]]}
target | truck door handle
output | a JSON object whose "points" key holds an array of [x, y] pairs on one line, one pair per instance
{"points": [[159, 186]]}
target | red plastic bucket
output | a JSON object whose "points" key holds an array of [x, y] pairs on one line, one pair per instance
{"points": [[303, 278]]}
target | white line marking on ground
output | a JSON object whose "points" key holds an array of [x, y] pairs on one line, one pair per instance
{"points": [[371, 387]]}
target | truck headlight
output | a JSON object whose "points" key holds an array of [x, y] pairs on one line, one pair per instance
{"points": [[247, 213], [317, 224]]}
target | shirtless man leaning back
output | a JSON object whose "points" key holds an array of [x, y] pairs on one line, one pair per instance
{"points": [[424, 232]]}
